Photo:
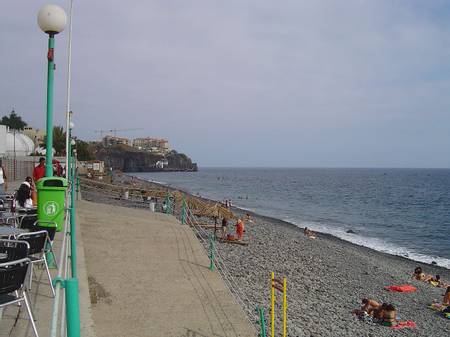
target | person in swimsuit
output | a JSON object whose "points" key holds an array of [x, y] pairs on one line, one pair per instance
{"points": [[389, 317], [446, 300], [418, 274], [368, 307], [240, 229]]}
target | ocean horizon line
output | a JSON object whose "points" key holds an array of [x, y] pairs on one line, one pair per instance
{"points": [[326, 167]]}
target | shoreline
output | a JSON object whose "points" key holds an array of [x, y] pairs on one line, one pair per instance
{"points": [[289, 223]]}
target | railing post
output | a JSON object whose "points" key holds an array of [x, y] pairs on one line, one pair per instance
{"points": [[72, 308], [272, 312], [284, 308], [183, 212], [211, 253], [73, 242], [261, 321], [167, 201], [78, 185]]}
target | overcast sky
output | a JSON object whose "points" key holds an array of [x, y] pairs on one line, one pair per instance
{"points": [[246, 83]]}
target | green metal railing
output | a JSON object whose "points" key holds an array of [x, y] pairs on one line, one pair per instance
{"points": [[70, 281]]}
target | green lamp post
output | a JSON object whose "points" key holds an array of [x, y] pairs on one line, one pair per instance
{"points": [[52, 20]]}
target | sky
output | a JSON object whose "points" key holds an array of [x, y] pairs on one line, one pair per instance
{"points": [[290, 83]]}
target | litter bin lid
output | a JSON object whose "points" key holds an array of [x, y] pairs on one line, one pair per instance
{"points": [[52, 183]]}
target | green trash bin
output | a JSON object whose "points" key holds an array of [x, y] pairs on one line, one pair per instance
{"points": [[51, 201]]}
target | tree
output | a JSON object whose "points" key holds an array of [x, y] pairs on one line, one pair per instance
{"points": [[59, 140], [13, 121], [84, 151]]}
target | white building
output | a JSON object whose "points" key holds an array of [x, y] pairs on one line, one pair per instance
{"points": [[14, 143]]}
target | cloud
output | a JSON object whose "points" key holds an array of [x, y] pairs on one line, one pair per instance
{"points": [[311, 83]]}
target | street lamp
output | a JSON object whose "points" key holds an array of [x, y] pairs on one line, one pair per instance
{"points": [[52, 20]]}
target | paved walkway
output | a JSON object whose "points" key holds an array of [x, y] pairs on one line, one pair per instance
{"points": [[149, 276]]}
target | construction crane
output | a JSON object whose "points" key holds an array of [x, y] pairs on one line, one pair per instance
{"points": [[114, 131]]}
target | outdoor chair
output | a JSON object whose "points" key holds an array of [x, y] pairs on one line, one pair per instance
{"points": [[27, 221], [38, 242], [12, 286], [31, 222], [11, 250]]}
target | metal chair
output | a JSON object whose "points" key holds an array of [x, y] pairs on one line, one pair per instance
{"points": [[11, 250], [38, 242], [12, 286], [28, 221]]}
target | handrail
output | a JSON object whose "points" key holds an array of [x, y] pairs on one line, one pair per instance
{"points": [[219, 262], [69, 322], [62, 256]]}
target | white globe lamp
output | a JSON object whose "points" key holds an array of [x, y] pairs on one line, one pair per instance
{"points": [[52, 19]]}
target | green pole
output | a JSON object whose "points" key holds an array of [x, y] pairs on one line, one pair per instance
{"points": [[262, 322], [73, 242], [50, 78], [69, 157], [72, 308], [78, 184], [183, 212], [211, 253]]}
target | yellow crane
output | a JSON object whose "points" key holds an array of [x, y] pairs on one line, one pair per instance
{"points": [[114, 131]]}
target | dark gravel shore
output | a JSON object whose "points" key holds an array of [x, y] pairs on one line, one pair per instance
{"points": [[326, 279]]}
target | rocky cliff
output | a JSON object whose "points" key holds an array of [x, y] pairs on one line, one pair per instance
{"points": [[129, 159]]}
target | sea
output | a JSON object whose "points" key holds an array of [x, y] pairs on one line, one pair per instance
{"points": [[404, 212]]}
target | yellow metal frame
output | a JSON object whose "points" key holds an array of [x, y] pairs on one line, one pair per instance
{"points": [[273, 286]]}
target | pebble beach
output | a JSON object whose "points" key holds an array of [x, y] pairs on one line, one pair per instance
{"points": [[326, 279]]}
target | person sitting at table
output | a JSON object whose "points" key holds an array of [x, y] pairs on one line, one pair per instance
{"points": [[23, 195]]}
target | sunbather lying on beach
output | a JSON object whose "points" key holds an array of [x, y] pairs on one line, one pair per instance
{"points": [[385, 314], [368, 307], [433, 280]]}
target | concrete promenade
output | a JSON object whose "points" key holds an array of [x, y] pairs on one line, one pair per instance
{"points": [[149, 276]]}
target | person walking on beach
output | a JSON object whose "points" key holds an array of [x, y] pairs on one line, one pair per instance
{"points": [[3, 179], [224, 228], [39, 170]]}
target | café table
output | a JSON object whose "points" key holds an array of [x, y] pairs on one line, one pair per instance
{"points": [[8, 231]]}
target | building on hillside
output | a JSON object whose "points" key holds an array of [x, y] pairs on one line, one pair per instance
{"points": [[36, 135], [153, 145], [113, 140]]}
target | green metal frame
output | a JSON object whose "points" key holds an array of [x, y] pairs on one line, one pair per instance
{"points": [[261, 321], [73, 242], [183, 211], [49, 136], [211, 253]]}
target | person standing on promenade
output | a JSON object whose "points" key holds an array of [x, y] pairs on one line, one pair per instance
{"points": [[3, 179], [39, 170]]}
